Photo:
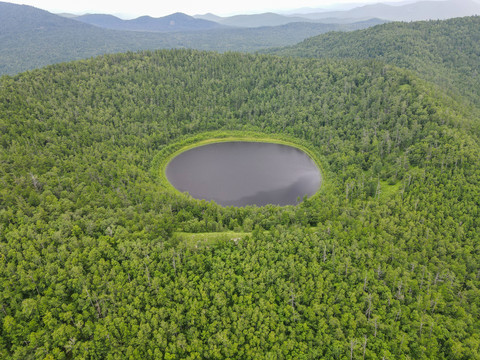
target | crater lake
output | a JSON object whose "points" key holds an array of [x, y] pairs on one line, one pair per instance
{"points": [[241, 173]]}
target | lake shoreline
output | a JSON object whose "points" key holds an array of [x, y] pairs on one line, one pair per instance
{"points": [[165, 155]]}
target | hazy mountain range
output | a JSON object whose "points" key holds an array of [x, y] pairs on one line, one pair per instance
{"points": [[422, 10], [32, 38]]}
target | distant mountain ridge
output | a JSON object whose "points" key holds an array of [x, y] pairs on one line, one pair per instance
{"points": [[254, 20], [422, 10], [406, 11], [170, 23], [412, 11]]}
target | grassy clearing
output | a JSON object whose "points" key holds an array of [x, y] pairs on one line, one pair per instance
{"points": [[197, 240], [387, 190]]}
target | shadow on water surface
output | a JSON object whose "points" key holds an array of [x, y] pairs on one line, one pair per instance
{"points": [[283, 196]]}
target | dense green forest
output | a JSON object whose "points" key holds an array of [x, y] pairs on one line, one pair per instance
{"points": [[445, 52], [98, 260]]}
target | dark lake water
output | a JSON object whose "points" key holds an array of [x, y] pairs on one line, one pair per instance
{"points": [[245, 173]]}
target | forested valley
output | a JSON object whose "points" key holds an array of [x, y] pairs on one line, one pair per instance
{"points": [[96, 254]]}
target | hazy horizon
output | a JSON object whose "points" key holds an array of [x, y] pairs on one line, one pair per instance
{"points": [[144, 7]]}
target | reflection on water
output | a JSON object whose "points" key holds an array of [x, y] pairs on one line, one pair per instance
{"points": [[245, 173]]}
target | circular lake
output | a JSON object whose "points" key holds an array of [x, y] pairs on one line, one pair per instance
{"points": [[242, 173]]}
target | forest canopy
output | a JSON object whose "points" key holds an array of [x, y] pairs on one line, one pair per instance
{"points": [[99, 260], [445, 52]]}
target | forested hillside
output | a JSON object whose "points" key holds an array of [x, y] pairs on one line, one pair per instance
{"points": [[95, 256], [444, 52]]}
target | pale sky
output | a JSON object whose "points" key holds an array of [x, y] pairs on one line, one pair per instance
{"points": [[157, 8]]}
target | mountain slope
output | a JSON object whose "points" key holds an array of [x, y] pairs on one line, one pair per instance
{"points": [[24, 19], [382, 262], [32, 38], [444, 52], [170, 23]]}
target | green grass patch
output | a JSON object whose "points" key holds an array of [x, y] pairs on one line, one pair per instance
{"points": [[200, 240], [387, 190]]}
